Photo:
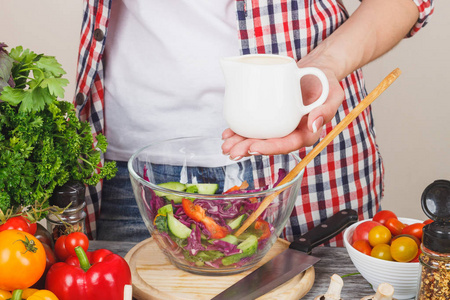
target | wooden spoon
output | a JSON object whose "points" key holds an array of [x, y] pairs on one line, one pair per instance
{"points": [[387, 81]]}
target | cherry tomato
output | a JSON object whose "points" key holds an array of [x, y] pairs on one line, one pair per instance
{"points": [[362, 246], [416, 259], [403, 249], [414, 229], [22, 260], [65, 244], [428, 221], [362, 230], [395, 226], [379, 235], [382, 251], [383, 215]]}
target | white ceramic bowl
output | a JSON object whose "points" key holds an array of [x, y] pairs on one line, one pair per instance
{"points": [[404, 277]]}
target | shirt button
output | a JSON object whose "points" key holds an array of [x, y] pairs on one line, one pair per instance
{"points": [[98, 34], [79, 99]]}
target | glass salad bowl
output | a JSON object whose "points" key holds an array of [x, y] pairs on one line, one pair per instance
{"points": [[193, 199]]}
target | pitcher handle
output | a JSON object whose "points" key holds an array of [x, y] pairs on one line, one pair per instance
{"points": [[325, 87]]}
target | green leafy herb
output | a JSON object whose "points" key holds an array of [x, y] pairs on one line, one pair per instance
{"points": [[42, 142]]}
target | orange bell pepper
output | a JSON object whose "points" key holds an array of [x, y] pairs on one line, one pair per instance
{"points": [[198, 214]]}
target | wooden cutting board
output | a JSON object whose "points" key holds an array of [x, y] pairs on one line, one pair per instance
{"points": [[154, 277]]}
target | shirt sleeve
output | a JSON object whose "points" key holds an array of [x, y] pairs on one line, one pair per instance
{"points": [[426, 9]]}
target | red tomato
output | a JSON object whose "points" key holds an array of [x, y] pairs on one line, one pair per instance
{"points": [[414, 229], [426, 222], [362, 230], [383, 215], [17, 223], [362, 246], [394, 226], [65, 244], [416, 259], [76, 239]]}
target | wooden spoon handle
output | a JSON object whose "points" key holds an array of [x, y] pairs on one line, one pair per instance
{"points": [[387, 81]]}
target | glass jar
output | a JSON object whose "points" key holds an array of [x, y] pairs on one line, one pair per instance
{"points": [[72, 197], [435, 257]]}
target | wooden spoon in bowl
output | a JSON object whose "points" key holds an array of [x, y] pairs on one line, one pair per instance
{"points": [[387, 81]]}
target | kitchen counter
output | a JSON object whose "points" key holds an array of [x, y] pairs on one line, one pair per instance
{"points": [[333, 261]]}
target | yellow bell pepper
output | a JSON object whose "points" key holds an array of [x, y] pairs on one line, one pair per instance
{"points": [[32, 294], [5, 295]]}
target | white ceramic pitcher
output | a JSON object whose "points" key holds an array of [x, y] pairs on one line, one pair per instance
{"points": [[263, 96]]}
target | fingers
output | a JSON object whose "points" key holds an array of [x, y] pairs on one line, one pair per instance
{"points": [[237, 146], [326, 112]]}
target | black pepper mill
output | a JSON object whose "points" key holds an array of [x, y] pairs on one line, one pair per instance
{"points": [[72, 219], [435, 257]]}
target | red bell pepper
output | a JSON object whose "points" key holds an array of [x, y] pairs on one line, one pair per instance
{"points": [[198, 214], [101, 276]]}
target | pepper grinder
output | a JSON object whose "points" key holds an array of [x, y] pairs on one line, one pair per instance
{"points": [[435, 257], [72, 219]]}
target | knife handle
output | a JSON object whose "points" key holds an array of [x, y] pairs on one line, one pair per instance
{"points": [[325, 230]]}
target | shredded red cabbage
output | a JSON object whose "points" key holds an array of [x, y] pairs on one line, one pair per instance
{"points": [[194, 242], [224, 247]]}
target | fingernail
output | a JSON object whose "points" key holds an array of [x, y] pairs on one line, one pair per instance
{"points": [[254, 153], [318, 123], [236, 158]]}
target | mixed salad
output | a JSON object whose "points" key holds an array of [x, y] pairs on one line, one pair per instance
{"points": [[201, 231]]}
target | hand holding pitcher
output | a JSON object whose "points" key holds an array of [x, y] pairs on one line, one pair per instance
{"points": [[263, 97]]}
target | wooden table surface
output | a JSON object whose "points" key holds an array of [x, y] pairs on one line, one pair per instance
{"points": [[333, 261]]}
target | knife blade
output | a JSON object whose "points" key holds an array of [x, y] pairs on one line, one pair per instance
{"points": [[290, 262]]}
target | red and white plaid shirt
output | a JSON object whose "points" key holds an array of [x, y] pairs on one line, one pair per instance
{"points": [[347, 174]]}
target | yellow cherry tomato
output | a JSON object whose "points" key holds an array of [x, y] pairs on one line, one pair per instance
{"points": [[379, 235], [404, 249], [382, 251]]}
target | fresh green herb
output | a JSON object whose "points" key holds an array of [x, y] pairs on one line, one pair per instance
{"points": [[42, 142]]}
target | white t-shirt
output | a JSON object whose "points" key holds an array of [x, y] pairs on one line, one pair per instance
{"points": [[162, 73]]}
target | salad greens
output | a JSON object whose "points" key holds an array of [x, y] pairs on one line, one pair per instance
{"points": [[42, 142]]}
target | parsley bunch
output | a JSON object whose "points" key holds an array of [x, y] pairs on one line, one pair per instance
{"points": [[42, 142]]}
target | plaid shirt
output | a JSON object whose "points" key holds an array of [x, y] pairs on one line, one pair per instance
{"points": [[347, 174]]}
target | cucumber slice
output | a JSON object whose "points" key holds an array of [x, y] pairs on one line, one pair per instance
{"points": [[172, 185], [177, 228], [230, 239], [236, 223], [165, 210], [248, 247], [203, 188]]}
